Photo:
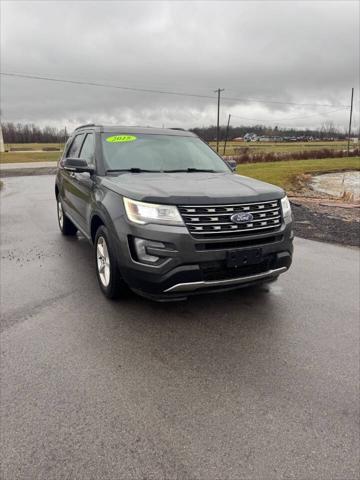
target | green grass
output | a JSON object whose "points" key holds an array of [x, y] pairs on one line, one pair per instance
{"points": [[19, 157], [33, 146], [256, 147], [285, 174]]}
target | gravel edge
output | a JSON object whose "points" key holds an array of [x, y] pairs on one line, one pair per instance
{"points": [[325, 227]]}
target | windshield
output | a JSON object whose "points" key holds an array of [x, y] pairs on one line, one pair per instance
{"points": [[164, 153]]}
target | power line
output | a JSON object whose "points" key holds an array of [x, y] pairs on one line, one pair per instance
{"points": [[317, 114], [164, 92], [293, 118], [258, 100], [105, 85]]}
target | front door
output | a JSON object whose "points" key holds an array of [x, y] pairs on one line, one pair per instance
{"points": [[78, 186], [83, 183]]}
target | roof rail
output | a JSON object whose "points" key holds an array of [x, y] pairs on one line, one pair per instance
{"points": [[85, 125]]}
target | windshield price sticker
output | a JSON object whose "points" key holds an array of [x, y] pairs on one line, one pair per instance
{"points": [[121, 138]]}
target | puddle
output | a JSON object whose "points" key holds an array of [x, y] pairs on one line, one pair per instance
{"points": [[336, 184]]}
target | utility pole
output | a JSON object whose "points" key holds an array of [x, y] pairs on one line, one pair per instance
{"points": [[227, 133], [219, 90], [351, 109], [2, 147], [65, 137]]}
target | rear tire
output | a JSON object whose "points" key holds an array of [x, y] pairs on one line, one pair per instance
{"points": [[107, 271], [66, 226]]}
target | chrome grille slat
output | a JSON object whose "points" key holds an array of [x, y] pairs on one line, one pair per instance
{"points": [[275, 202], [218, 214], [231, 223], [214, 220], [235, 231]]}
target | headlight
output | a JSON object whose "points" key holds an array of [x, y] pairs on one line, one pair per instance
{"points": [[141, 212], [286, 207]]}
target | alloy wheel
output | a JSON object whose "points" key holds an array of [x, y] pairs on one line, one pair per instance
{"points": [[60, 215], [103, 261]]}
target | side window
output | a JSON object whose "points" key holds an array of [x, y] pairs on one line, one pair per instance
{"points": [[88, 149], [75, 146]]}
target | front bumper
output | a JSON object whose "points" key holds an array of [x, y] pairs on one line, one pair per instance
{"points": [[237, 281], [190, 266]]}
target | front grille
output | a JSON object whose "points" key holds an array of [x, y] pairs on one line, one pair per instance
{"points": [[214, 221], [218, 270], [239, 243]]}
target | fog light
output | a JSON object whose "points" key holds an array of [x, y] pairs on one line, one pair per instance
{"points": [[141, 249]]}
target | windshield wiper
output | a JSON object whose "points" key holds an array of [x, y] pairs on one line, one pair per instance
{"points": [[131, 170], [190, 170], [141, 170]]}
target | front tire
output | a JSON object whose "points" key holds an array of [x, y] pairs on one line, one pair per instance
{"points": [[66, 226], [107, 271]]}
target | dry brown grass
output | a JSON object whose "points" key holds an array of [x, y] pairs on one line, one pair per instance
{"points": [[246, 156]]}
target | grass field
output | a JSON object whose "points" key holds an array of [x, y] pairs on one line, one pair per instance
{"points": [[285, 174], [255, 147], [30, 156], [33, 146]]}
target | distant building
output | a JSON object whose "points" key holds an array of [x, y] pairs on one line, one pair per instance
{"points": [[250, 137]]}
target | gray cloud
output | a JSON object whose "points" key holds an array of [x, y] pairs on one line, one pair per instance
{"points": [[303, 52]]}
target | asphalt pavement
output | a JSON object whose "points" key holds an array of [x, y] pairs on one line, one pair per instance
{"points": [[254, 384], [19, 165], [27, 168]]}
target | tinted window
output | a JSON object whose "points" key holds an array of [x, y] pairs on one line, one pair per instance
{"points": [[87, 150], [75, 146], [159, 153]]}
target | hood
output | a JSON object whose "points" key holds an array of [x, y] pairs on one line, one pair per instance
{"points": [[191, 188]]}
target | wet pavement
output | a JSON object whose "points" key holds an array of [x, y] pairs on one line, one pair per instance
{"points": [[27, 168], [338, 184], [255, 384]]}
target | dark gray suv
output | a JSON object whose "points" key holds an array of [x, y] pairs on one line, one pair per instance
{"points": [[167, 216]]}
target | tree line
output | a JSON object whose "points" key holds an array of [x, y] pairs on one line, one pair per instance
{"points": [[30, 133], [326, 130]]}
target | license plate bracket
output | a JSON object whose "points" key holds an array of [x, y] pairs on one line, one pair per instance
{"points": [[242, 258]]}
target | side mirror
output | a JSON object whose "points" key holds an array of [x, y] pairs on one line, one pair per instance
{"points": [[232, 164], [77, 165]]}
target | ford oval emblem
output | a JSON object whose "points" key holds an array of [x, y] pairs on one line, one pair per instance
{"points": [[244, 217]]}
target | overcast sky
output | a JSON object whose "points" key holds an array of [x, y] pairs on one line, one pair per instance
{"points": [[304, 52]]}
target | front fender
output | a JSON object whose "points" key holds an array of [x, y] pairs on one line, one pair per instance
{"points": [[108, 206]]}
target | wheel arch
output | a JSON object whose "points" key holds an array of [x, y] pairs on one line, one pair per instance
{"points": [[96, 222]]}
